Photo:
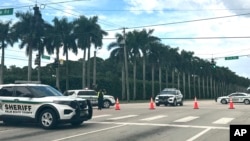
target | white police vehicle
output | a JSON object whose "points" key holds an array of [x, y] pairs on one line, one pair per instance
{"points": [[91, 95], [237, 97], [170, 96], [43, 104]]}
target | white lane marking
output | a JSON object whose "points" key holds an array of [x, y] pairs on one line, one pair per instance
{"points": [[100, 116], [91, 132], [122, 117], [162, 125], [153, 118], [186, 119], [199, 134], [223, 121]]}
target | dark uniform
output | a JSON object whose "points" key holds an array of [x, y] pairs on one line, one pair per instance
{"points": [[100, 95]]}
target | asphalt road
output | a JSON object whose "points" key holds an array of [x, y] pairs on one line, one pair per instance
{"points": [[137, 122]]}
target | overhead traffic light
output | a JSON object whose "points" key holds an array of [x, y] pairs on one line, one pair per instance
{"points": [[213, 63], [38, 60]]}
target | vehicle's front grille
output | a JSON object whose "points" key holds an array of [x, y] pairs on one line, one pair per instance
{"points": [[163, 97], [83, 104], [74, 104], [78, 104]]}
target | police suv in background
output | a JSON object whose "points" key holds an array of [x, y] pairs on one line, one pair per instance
{"points": [[170, 96], [237, 97], [91, 95], [43, 104]]}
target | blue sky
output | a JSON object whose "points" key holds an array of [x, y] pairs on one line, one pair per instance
{"points": [[116, 14]]}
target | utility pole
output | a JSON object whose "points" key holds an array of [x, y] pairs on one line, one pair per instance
{"points": [[37, 25], [126, 65]]}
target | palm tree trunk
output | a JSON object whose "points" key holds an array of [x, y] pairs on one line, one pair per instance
{"points": [[199, 86], [123, 82], [207, 87], [67, 70], [88, 68], [57, 70], [134, 71], [189, 86], [178, 80], [39, 67], [2, 65], [83, 69], [159, 78], [144, 77], [203, 86], [166, 78], [211, 86], [94, 69], [30, 64], [153, 80], [184, 84], [194, 85], [173, 78]]}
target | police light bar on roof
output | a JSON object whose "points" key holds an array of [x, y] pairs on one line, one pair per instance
{"points": [[27, 82]]}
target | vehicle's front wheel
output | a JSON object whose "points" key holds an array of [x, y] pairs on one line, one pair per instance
{"points": [[106, 104], [157, 104], [48, 119], [181, 103], [223, 101], [246, 101]]}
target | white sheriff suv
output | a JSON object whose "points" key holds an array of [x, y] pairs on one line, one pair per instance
{"points": [[91, 95], [237, 97], [42, 104], [170, 96]]}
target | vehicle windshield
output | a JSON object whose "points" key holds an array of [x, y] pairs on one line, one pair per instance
{"points": [[43, 91], [168, 92]]}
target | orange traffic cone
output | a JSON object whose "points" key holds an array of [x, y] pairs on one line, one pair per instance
{"points": [[117, 105], [151, 105], [195, 103], [231, 104]]}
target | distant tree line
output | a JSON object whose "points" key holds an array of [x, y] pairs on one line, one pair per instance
{"points": [[152, 65]]}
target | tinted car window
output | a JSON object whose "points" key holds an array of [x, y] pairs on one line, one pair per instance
{"points": [[22, 91], [168, 92], [68, 93], [6, 91], [42, 91], [86, 93], [241, 95]]}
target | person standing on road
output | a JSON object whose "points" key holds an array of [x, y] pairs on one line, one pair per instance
{"points": [[100, 99]]}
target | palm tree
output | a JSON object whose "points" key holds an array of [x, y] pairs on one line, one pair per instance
{"points": [[67, 37], [25, 29], [146, 39], [118, 54], [186, 59], [96, 34], [88, 31], [53, 41], [133, 45], [6, 37], [154, 58]]}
